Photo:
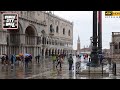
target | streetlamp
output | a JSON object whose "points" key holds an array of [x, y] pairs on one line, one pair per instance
{"points": [[94, 56], [91, 38], [100, 32]]}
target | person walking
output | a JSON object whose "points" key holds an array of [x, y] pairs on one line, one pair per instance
{"points": [[7, 60], [27, 59], [13, 59], [3, 60], [30, 58], [70, 61], [59, 61], [53, 59], [38, 58]]}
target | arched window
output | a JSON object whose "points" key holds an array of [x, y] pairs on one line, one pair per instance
{"points": [[51, 28], [116, 46], [63, 30], [69, 33], [47, 41], [43, 39], [57, 29]]}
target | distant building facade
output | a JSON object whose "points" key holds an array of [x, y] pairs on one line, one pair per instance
{"points": [[38, 32], [86, 49], [115, 46], [106, 53]]}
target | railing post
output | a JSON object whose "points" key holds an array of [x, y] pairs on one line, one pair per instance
{"points": [[89, 67], [115, 69], [102, 69]]}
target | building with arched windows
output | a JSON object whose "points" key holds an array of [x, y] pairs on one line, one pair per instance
{"points": [[38, 32]]}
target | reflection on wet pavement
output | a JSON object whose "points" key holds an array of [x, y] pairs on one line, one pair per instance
{"points": [[45, 69]]}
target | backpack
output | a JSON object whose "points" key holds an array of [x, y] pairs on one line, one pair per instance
{"points": [[70, 60]]}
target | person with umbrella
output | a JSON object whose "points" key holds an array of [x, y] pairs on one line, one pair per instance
{"points": [[27, 58], [3, 59]]}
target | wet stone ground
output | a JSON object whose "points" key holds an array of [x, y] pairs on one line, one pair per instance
{"points": [[47, 70]]}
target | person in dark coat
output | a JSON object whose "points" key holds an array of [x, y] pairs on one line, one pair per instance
{"points": [[3, 59], [70, 60], [38, 58], [13, 59], [7, 59], [30, 58], [59, 61], [27, 59]]}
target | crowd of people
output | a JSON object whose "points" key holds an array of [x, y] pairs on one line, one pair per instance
{"points": [[27, 58], [85, 56], [14, 58], [58, 60]]}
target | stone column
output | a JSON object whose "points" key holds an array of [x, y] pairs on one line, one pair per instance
{"points": [[41, 40], [37, 50], [24, 48], [47, 52], [51, 52], [1, 49], [56, 51], [41, 51], [9, 50], [34, 51], [111, 49], [44, 52], [5, 49], [67, 53], [23, 40], [46, 41]]}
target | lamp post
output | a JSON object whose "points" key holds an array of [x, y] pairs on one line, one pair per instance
{"points": [[91, 38], [100, 32], [94, 58]]}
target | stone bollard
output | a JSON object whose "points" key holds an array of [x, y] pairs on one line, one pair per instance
{"points": [[114, 68]]}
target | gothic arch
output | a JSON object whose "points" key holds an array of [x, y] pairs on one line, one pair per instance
{"points": [[33, 29], [57, 29], [63, 31], [56, 51], [115, 45], [69, 33]]}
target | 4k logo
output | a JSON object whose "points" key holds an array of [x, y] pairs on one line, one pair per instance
{"points": [[108, 13], [10, 21]]}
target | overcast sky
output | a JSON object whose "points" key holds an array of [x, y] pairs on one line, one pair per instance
{"points": [[83, 26]]}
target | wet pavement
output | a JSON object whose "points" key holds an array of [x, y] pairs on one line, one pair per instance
{"points": [[47, 70]]}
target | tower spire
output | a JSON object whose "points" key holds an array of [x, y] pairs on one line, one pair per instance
{"points": [[78, 38], [78, 44]]}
